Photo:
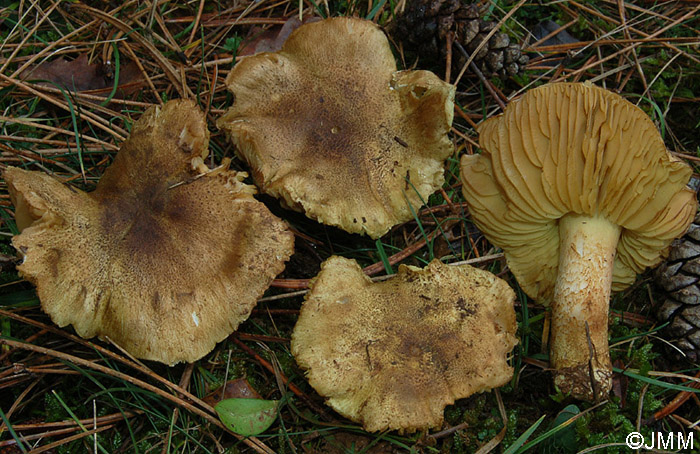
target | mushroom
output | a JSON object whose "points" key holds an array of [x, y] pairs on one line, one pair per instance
{"points": [[329, 125], [393, 354], [161, 259], [576, 186]]}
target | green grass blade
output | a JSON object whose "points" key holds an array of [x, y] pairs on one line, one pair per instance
{"points": [[655, 382], [547, 435], [375, 9], [116, 76], [435, 219], [77, 421], [384, 258], [12, 431], [512, 449]]}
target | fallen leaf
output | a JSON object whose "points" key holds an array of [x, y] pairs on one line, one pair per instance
{"points": [[238, 388], [80, 75], [247, 417], [271, 40], [547, 27], [565, 439]]}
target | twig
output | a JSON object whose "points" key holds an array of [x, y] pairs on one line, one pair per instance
{"points": [[184, 384], [486, 39], [371, 269], [67, 440], [450, 431], [210, 416], [480, 75], [252, 442], [679, 400], [169, 70], [292, 387], [95, 120]]}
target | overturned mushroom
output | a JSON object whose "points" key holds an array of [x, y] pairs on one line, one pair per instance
{"points": [[393, 354], [332, 128], [575, 184], [162, 260]]}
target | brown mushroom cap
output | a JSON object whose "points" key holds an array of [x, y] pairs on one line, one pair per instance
{"points": [[162, 260], [575, 149], [393, 354], [332, 128]]}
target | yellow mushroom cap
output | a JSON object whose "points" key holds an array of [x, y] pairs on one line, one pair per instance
{"points": [[393, 354], [329, 125], [162, 260], [575, 149]]}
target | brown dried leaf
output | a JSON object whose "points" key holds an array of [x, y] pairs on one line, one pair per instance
{"points": [[239, 388], [271, 40], [80, 75]]}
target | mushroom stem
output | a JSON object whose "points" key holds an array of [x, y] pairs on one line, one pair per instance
{"points": [[579, 338]]}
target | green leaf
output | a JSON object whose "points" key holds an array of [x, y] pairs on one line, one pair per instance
{"points": [[247, 417], [563, 441]]}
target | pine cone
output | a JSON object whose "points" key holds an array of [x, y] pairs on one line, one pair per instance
{"points": [[426, 24], [680, 278]]}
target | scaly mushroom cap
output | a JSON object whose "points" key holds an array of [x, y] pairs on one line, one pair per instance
{"points": [[163, 261], [575, 149], [332, 128], [393, 354]]}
